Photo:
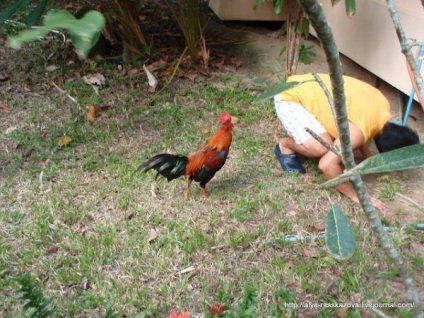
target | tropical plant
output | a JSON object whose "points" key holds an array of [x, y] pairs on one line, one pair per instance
{"points": [[297, 26], [192, 23], [84, 32], [284, 303], [33, 17], [305, 52], [33, 295], [129, 27]]}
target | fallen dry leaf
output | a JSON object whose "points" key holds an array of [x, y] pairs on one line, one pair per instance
{"points": [[220, 64], [342, 312], [206, 131], [4, 78], [157, 65], [152, 235], [28, 153], [95, 79], [310, 252], [52, 249], [235, 61], [176, 315], [91, 114], [9, 130], [132, 71], [93, 110], [64, 140], [4, 106], [153, 82], [316, 227], [216, 309], [169, 70], [191, 77], [320, 227], [52, 226], [51, 68], [291, 213], [188, 270]]}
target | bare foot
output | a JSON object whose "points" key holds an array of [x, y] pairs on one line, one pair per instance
{"points": [[380, 205]]}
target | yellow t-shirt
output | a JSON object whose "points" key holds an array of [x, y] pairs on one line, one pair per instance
{"points": [[366, 106]]}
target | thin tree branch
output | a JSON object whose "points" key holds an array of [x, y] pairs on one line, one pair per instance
{"points": [[333, 183], [322, 141], [331, 102], [406, 49], [326, 91], [64, 93], [316, 15]]}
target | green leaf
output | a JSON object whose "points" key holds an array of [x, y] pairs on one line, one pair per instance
{"points": [[6, 14], [278, 6], [395, 160], [305, 27], [350, 7], [305, 52], [35, 14], [339, 235], [46, 302], [84, 32], [400, 159], [34, 315], [270, 93], [27, 306]]}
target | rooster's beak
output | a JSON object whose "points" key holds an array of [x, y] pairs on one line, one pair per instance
{"points": [[234, 119]]}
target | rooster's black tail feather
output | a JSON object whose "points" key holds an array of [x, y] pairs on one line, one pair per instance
{"points": [[167, 165]]}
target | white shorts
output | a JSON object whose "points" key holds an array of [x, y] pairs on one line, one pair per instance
{"points": [[295, 118]]}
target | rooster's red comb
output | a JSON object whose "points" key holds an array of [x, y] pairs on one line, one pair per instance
{"points": [[226, 117]]}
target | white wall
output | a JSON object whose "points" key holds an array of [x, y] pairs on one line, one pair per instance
{"points": [[369, 37], [244, 10]]}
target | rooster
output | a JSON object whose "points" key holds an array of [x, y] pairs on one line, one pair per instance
{"points": [[201, 165]]}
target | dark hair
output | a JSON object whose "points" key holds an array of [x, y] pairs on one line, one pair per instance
{"points": [[394, 136]]}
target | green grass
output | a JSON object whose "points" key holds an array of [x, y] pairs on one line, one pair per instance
{"points": [[87, 200]]}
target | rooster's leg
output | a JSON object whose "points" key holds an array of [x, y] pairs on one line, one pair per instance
{"points": [[187, 191], [204, 193]]}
